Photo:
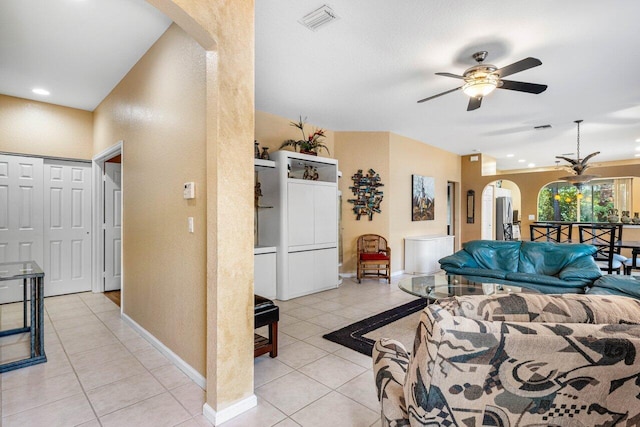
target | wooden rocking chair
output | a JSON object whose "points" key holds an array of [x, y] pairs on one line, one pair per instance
{"points": [[374, 257]]}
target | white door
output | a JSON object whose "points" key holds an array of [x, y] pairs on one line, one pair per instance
{"points": [[112, 226], [487, 213], [21, 216], [67, 227]]}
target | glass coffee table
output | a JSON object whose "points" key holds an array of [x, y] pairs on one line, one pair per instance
{"points": [[438, 286]]}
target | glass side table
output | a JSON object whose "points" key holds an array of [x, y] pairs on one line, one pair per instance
{"points": [[32, 278]]}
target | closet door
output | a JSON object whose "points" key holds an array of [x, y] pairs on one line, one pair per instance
{"points": [[67, 227], [21, 215]]}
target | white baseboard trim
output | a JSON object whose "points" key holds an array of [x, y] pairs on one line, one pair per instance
{"points": [[166, 351], [218, 417]]}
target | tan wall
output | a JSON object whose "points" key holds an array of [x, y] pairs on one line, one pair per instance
{"points": [[530, 184], [271, 131], [362, 150], [31, 127], [158, 110], [407, 157]]}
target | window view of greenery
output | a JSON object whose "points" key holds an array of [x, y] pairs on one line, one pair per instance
{"points": [[561, 201]]}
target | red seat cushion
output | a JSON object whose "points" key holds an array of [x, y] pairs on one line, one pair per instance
{"points": [[373, 257]]}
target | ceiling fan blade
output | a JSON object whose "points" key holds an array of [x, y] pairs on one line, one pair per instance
{"points": [[522, 86], [440, 94], [516, 67], [455, 76], [474, 103]]}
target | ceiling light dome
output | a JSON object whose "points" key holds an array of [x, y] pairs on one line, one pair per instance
{"points": [[480, 85]]}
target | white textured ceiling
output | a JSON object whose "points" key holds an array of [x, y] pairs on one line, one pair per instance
{"points": [[77, 49], [366, 71]]}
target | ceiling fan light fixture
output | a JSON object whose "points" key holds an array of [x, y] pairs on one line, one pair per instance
{"points": [[578, 165], [480, 86]]}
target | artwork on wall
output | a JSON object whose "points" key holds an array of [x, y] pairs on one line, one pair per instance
{"points": [[423, 200], [367, 194]]}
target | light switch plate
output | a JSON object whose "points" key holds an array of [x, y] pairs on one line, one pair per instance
{"points": [[532, 217]]}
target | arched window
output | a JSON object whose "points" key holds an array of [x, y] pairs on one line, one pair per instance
{"points": [[561, 201]]}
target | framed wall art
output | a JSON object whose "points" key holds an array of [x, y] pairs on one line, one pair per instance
{"points": [[423, 198]]}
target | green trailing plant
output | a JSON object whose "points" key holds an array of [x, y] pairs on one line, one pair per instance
{"points": [[312, 143]]}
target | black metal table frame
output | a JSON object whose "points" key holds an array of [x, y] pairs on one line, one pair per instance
{"points": [[36, 326]]}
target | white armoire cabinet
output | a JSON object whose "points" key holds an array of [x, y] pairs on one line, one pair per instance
{"points": [[303, 224]]}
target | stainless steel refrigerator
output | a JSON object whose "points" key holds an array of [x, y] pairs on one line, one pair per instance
{"points": [[504, 215]]}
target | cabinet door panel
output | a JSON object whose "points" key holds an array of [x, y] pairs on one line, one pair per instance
{"points": [[326, 268], [300, 214], [326, 214], [264, 275], [301, 273]]}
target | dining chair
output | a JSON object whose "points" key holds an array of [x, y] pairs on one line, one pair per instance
{"points": [[603, 237], [565, 233], [374, 257], [545, 232], [632, 263], [507, 231]]}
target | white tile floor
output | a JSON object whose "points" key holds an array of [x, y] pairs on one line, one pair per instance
{"points": [[312, 382]]}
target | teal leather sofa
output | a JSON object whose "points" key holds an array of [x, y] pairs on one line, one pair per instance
{"points": [[550, 268]]}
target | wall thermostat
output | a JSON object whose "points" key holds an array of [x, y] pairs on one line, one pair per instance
{"points": [[189, 190]]}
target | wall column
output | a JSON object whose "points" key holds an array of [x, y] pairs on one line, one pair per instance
{"points": [[226, 31]]}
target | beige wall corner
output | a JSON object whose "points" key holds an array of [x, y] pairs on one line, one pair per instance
{"points": [[362, 150], [158, 110], [37, 128], [410, 157], [272, 130]]}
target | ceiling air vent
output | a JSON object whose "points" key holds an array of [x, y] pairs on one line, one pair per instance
{"points": [[318, 18], [542, 127]]}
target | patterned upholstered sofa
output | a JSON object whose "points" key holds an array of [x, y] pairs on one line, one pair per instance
{"points": [[550, 268], [515, 360]]}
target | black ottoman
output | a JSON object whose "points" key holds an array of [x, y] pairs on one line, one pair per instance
{"points": [[265, 312]]}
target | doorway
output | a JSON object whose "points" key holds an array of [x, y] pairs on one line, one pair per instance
{"points": [[107, 170], [501, 204]]}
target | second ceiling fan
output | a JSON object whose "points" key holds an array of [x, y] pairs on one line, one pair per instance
{"points": [[480, 80]]}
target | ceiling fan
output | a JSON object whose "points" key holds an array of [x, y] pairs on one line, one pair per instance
{"points": [[577, 166], [480, 80]]}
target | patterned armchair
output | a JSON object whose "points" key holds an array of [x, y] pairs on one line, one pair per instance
{"points": [[515, 360]]}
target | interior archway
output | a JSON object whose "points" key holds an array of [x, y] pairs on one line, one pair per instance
{"points": [[501, 204]]}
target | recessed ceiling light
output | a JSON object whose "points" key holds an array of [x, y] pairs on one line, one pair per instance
{"points": [[638, 148], [40, 91], [521, 160], [509, 155], [531, 165], [637, 155], [638, 140]]}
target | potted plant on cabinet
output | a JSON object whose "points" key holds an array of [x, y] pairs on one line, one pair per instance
{"points": [[307, 145]]}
